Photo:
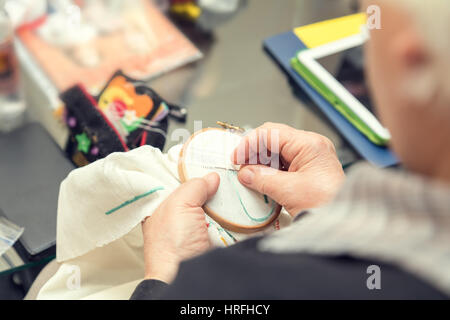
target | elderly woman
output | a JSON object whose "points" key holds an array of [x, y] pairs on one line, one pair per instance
{"points": [[378, 234]]}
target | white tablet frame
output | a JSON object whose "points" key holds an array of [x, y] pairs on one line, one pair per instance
{"points": [[309, 59]]}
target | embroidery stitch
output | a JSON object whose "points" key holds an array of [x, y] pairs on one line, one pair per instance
{"points": [[242, 203], [221, 230], [134, 200]]}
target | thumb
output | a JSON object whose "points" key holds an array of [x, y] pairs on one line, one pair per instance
{"points": [[266, 180], [195, 192]]}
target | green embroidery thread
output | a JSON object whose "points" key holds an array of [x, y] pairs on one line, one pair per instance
{"points": [[242, 203], [134, 200]]}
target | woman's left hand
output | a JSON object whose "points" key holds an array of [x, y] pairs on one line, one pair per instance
{"points": [[177, 230]]}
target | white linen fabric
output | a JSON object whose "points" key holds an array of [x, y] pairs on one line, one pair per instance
{"points": [[99, 237], [89, 195]]}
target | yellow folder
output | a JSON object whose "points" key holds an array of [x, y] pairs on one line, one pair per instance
{"points": [[320, 33]]}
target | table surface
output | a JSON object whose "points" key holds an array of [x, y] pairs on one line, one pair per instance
{"points": [[237, 82]]}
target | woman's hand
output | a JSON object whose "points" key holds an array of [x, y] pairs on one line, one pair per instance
{"points": [[309, 174], [177, 229]]}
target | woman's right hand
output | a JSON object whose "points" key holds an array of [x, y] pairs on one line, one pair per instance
{"points": [[309, 174]]}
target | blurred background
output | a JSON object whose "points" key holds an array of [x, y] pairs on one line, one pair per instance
{"points": [[204, 59]]}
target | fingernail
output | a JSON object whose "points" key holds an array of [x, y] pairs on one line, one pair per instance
{"points": [[232, 156], [246, 176], [213, 181]]}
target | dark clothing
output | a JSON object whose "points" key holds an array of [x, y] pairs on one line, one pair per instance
{"points": [[244, 272]]}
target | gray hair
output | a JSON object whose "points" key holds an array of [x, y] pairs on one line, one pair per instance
{"points": [[432, 18]]}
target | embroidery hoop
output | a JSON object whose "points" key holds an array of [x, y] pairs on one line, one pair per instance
{"points": [[227, 224]]}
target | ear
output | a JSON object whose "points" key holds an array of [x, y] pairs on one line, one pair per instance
{"points": [[408, 50], [412, 60]]}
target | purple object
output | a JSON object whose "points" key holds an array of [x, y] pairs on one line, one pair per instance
{"points": [[72, 122], [95, 151]]}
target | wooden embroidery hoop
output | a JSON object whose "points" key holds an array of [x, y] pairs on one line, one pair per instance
{"points": [[214, 215]]}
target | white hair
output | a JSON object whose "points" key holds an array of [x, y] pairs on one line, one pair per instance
{"points": [[432, 19]]}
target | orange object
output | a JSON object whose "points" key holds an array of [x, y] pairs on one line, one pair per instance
{"points": [[122, 92]]}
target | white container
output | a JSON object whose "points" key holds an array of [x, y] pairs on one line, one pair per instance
{"points": [[12, 106]]}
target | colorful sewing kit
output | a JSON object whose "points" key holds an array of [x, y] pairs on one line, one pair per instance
{"points": [[125, 115]]}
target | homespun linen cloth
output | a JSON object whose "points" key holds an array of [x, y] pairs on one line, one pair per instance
{"points": [[99, 238]]}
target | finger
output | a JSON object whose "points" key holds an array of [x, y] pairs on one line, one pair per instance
{"points": [[269, 138], [213, 180], [283, 141], [266, 180], [195, 192]]}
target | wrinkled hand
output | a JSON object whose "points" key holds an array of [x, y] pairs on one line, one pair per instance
{"points": [[177, 229], [310, 173]]}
